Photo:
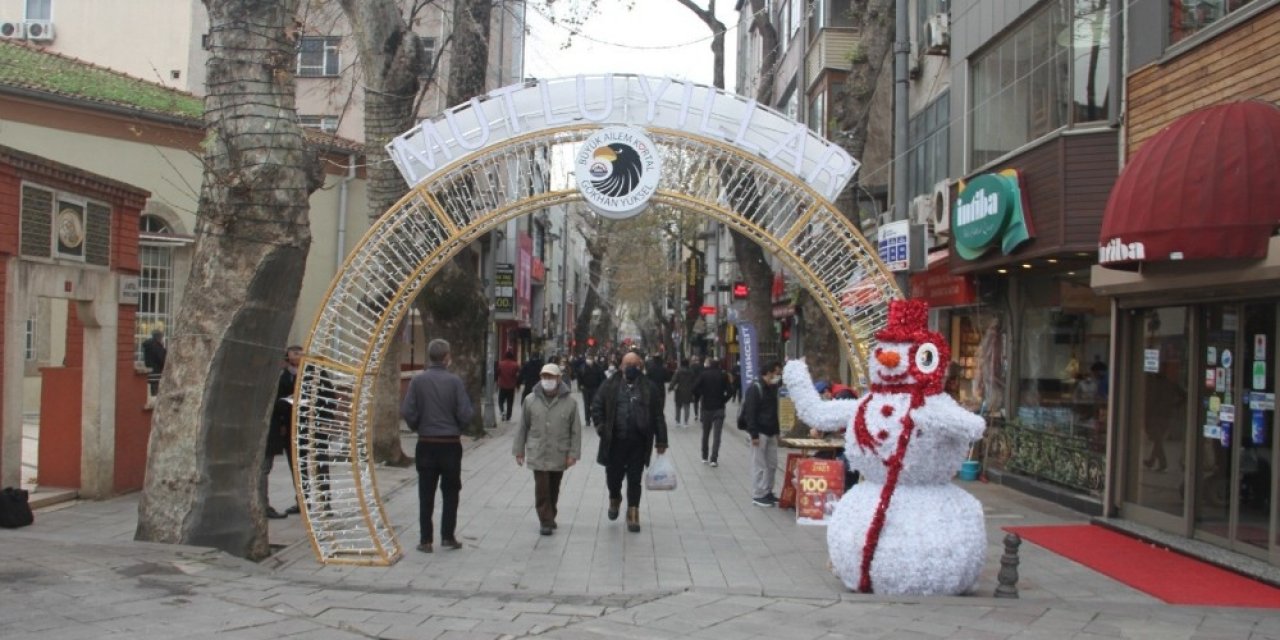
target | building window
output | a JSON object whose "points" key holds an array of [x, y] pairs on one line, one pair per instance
{"points": [[1187, 17], [318, 56], [155, 284], [328, 124], [428, 56], [928, 158], [817, 113], [29, 348], [784, 23], [39, 10], [797, 17], [791, 103], [1052, 71], [924, 10]]}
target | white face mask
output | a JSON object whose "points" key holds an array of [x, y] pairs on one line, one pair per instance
{"points": [[550, 385]]}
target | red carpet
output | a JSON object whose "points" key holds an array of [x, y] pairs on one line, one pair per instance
{"points": [[1169, 576]]}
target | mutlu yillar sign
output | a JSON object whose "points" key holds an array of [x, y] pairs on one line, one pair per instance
{"points": [[618, 167]]}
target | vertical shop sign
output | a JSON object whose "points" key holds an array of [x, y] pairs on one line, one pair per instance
{"points": [[504, 290], [524, 281]]}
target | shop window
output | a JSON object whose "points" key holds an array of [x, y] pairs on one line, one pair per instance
{"points": [[1187, 17], [927, 159], [1052, 71], [318, 56]]}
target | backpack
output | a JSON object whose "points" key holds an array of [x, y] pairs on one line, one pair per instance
{"points": [[742, 415]]}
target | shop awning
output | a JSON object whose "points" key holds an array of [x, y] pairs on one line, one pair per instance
{"points": [[1206, 186]]}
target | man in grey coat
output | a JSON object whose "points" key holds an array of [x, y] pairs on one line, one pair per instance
{"points": [[550, 440], [438, 408]]}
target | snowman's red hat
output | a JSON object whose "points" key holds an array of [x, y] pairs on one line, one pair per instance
{"points": [[908, 322]]}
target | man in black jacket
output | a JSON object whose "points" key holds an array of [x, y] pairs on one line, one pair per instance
{"points": [[530, 375], [589, 380], [713, 389], [760, 412], [628, 414]]}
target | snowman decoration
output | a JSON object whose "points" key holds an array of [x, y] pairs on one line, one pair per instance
{"points": [[904, 529]]}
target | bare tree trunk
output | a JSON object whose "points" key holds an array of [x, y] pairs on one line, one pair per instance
{"points": [[852, 109], [209, 428], [391, 62], [456, 306]]}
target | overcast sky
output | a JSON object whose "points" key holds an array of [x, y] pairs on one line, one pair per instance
{"points": [[656, 37]]}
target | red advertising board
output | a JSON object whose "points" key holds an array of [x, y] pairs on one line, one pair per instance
{"points": [[940, 288], [788, 498], [819, 485]]}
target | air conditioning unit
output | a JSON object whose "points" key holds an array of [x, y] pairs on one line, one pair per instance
{"points": [[40, 30], [937, 35], [942, 199], [922, 210], [13, 29]]}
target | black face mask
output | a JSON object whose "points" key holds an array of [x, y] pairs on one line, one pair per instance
{"points": [[632, 373]]}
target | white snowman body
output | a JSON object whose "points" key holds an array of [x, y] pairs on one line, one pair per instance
{"points": [[932, 540]]}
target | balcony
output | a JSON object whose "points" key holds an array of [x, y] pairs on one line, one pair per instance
{"points": [[832, 48]]}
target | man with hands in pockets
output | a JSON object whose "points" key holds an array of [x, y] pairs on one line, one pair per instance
{"points": [[550, 440]]}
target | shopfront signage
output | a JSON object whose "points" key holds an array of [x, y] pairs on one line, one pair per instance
{"points": [[893, 242], [819, 485], [623, 100], [1118, 250], [130, 290], [504, 290], [524, 280], [941, 289], [990, 211]]}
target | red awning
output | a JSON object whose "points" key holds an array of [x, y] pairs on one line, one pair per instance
{"points": [[1206, 186]]}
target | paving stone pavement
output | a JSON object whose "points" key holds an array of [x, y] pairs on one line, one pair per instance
{"points": [[707, 564]]}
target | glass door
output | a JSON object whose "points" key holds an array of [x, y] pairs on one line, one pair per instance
{"points": [[1255, 476], [1155, 469], [1215, 470]]}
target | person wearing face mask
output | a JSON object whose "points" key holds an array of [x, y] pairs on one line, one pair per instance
{"points": [[628, 412], [760, 411], [550, 440], [714, 388], [589, 381]]}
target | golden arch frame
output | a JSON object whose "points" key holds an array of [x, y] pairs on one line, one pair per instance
{"points": [[356, 322]]}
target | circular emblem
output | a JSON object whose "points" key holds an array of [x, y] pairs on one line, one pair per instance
{"points": [[618, 169], [70, 229]]}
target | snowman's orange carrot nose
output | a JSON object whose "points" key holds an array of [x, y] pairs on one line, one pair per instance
{"points": [[888, 358]]}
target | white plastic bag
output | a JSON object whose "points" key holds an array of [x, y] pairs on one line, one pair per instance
{"points": [[661, 475]]}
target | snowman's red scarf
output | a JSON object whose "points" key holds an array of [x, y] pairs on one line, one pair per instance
{"points": [[867, 442]]}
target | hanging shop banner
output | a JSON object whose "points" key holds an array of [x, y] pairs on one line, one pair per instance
{"points": [[990, 211], [655, 104], [750, 358], [524, 281], [504, 291], [819, 485]]}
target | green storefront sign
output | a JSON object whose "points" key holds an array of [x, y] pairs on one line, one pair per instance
{"points": [[988, 211]]}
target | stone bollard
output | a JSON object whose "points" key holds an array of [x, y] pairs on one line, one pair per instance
{"points": [[1008, 577]]}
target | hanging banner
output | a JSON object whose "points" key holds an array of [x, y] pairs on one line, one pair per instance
{"points": [[504, 291], [749, 360]]}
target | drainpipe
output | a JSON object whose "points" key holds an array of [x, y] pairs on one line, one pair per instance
{"points": [[340, 251], [901, 61]]}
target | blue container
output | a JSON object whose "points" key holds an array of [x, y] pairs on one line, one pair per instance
{"points": [[969, 470]]}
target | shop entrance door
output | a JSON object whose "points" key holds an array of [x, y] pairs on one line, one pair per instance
{"points": [[1234, 454]]}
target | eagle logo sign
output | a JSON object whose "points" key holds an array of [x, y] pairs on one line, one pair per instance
{"points": [[617, 169]]}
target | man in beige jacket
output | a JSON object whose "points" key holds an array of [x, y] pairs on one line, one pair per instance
{"points": [[550, 440]]}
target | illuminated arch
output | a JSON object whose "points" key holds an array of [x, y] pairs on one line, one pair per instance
{"points": [[458, 202]]}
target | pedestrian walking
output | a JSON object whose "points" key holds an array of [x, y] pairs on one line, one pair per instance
{"points": [[529, 374], [508, 377], [437, 407], [589, 382], [695, 365], [279, 441], [656, 371], [153, 355], [549, 440], [628, 411], [714, 389], [760, 412], [682, 386]]}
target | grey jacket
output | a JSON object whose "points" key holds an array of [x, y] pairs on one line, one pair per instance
{"points": [[437, 404], [550, 430]]}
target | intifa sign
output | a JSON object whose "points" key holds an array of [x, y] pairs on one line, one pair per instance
{"points": [[657, 105], [617, 170], [990, 210]]}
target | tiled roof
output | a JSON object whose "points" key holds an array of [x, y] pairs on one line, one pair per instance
{"points": [[26, 67], [23, 66]]}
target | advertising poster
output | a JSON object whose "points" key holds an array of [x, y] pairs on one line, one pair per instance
{"points": [[788, 498], [819, 485]]}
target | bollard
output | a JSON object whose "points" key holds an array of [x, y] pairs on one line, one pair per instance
{"points": [[1008, 576]]}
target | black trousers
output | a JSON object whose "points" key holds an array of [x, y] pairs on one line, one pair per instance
{"points": [[439, 464], [588, 396], [546, 493], [506, 400], [626, 459]]}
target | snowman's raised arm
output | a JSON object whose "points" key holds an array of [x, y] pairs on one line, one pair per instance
{"points": [[823, 415]]}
